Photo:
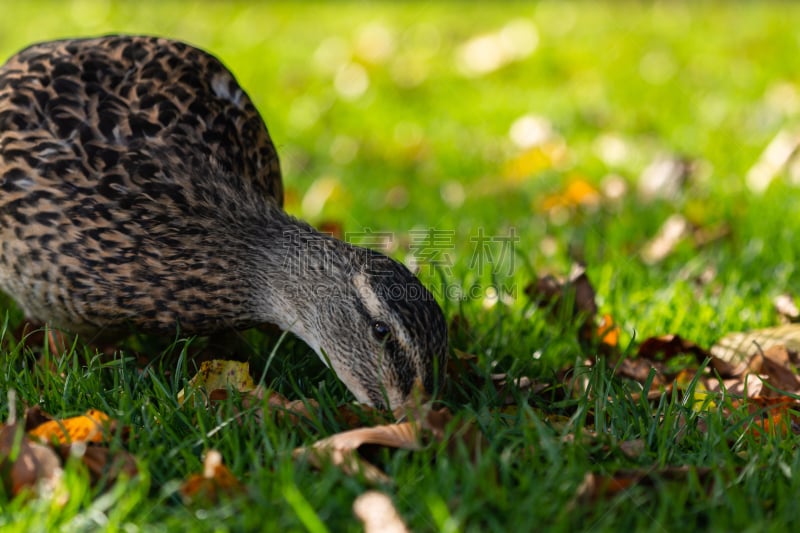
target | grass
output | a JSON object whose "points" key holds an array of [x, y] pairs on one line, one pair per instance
{"points": [[425, 147]]}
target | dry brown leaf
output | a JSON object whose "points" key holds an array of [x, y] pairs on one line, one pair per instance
{"points": [[652, 355], [668, 346], [35, 417], [215, 482], [102, 464], [378, 514], [576, 292], [633, 448], [459, 363], [25, 464], [737, 348], [340, 449], [639, 369], [292, 410], [777, 365], [596, 487]]}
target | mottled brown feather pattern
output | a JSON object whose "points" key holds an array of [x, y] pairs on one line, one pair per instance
{"points": [[139, 187], [89, 128]]}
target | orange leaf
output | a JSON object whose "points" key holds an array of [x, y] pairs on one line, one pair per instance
{"points": [[773, 416], [608, 331], [84, 428]]}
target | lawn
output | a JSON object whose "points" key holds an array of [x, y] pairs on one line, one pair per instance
{"points": [[485, 144]]}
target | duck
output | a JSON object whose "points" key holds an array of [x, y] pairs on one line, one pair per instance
{"points": [[140, 190]]}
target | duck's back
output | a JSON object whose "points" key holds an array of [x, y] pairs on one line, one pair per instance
{"points": [[91, 133], [87, 102]]}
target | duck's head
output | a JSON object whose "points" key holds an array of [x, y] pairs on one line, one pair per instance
{"points": [[381, 330]]}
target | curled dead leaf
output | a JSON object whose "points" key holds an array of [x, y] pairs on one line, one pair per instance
{"points": [[424, 423], [340, 449]]}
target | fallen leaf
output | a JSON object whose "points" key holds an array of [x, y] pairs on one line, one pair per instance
{"points": [[25, 464], [103, 464], [608, 331], [737, 349], [575, 294], [90, 427], [639, 369], [424, 424], [669, 346], [771, 416], [35, 417], [340, 449], [220, 374], [633, 448], [277, 404], [461, 365], [578, 193], [215, 482], [776, 364], [595, 487], [377, 513]]}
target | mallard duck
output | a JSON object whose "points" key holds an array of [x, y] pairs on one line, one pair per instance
{"points": [[139, 188]]}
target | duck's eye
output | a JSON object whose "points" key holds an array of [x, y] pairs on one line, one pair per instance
{"points": [[380, 330]]}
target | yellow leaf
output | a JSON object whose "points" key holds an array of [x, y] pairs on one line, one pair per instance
{"points": [[221, 374]]}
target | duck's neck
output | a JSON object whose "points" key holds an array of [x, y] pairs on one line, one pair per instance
{"points": [[294, 270]]}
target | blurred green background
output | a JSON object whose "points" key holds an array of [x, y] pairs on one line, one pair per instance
{"points": [[477, 119]]}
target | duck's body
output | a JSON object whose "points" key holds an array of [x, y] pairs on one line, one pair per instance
{"points": [[139, 188]]}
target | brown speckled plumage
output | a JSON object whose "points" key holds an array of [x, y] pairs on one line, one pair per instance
{"points": [[139, 188]]}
